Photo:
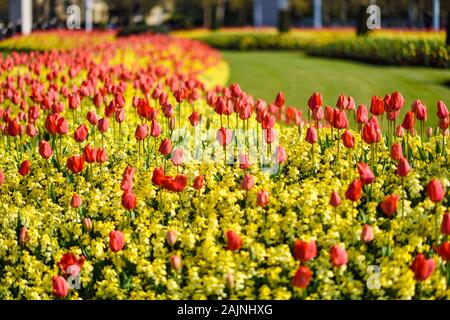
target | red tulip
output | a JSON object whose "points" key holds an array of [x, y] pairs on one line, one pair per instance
{"points": [[367, 233], [338, 256], [81, 133], [180, 95], [76, 201], [177, 156], [362, 115], [396, 152], [422, 267], [165, 147], [2, 177], [399, 132], [234, 242], [420, 110], [408, 122], [365, 173], [31, 130], [74, 101], [317, 114], [23, 235], [90, 154], [198, 182], [443, 123], [60, 287], [120, 115], [444, 251], [302, 277], [340, 119], [141, 132], [45, 150], [103, 125], [92, 118], [305, 250], [403, 167], [389, 205], [435, 191], [351, 103], [377, 106], [171, 237], [101, 155], [75, 164], [98, 99], [223, 136], [354, 190], [110, 109], [119, 100], [235, 90], [194, 118], [13, 128], [311, 135], [341, 103], [280, 154], [70, 264], [315, 101], [247, 182], [175, 262], [129, 200], [348, 139], [329, 114], [243, 161], [155, 129], [442, 111], [268, 121], [445, 225], [158, 177], [24, 168], [116, 241], [62, 126], [371, 132], [280, 100], [262, 198], [396, 101], [87, 224], [335, 200]]}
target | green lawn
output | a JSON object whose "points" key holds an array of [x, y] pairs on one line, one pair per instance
{"points": [[264, 73]]}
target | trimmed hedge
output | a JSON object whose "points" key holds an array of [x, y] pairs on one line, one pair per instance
{"points": [[386, 47], [266, 40], [430, 53]]}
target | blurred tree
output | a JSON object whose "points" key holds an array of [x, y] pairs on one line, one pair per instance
{"points": [[207, 13], [220, 13], [242, 6]]}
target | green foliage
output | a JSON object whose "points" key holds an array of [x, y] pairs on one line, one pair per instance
{"points": [[430, 53]]}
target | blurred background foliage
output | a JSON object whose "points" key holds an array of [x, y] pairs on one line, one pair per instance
{"points": [[218, 13]]}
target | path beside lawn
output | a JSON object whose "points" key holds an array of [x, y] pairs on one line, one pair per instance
{"points": [[264, 73]]}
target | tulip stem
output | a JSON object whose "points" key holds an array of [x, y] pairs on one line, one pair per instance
{"points": [[156, 155], [403, 197], [407, 145], [436, 228], [448, 274], [443, 144], [339, 145], [93, 133], [225, 152], [60, 147], [139, 148], [120, 134], [179, 116]]}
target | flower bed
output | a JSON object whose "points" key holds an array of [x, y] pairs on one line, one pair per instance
{"points": [[125, 172]]}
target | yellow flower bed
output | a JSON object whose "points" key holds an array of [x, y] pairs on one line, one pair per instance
{"points": [[263, 268]]}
